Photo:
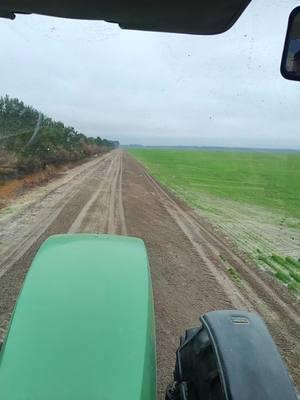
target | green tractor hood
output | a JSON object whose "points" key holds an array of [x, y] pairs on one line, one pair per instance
{"points": [[83, 326]]}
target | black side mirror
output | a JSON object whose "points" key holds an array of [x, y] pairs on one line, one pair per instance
{"points": [[290, 63]]}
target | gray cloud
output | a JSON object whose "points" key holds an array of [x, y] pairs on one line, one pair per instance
{"points": [[153, 88]]}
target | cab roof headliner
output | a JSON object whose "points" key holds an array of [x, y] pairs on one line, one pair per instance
{"points": [[188, 16]]}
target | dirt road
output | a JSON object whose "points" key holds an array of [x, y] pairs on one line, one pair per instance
{"points": [[189, 260]]}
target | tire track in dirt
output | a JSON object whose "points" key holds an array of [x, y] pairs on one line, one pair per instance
{"points": [[188, 228], [119, 216], [19, 249], [82, 215], [120, 201], [258, 283], [111, 226], [104, 212]]}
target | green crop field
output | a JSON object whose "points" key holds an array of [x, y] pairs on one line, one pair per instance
{"points": [[253, 196], [269, 179]]}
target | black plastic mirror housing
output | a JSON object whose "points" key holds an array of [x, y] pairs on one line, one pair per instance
{"points": [[290, 62]]}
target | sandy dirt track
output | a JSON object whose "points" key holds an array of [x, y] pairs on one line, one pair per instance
{"points": [[188, 259]]}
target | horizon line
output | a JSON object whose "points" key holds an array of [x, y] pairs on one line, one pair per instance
{"points": [[213, 147]]}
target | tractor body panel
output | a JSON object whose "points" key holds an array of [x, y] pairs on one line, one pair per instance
{"points": [[83, 326]]}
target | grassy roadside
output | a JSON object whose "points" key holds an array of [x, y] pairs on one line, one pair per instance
{"points": [[11, 189], [253, 196]]}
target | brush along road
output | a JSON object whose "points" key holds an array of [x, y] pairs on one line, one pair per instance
{"points": [[114, 194]]}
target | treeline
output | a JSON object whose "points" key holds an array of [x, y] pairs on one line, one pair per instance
{"points": [[29, 140]]}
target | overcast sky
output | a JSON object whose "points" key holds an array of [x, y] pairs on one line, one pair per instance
{"points": [[157, 88]]}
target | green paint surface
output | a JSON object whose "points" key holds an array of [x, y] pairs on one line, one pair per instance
{"points": [[270, 179], [83, 327]]}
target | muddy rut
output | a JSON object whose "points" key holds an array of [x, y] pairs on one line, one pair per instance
{"points": [[189, 260]]}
